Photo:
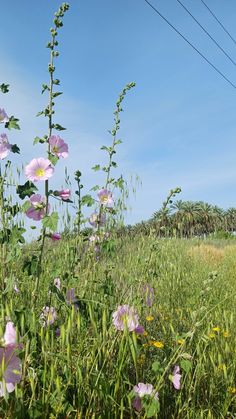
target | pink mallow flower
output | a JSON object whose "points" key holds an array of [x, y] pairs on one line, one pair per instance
{"points": [[38, 207], [10, 370], [58, 147], [125, 316], [55, 236], [141, 390], [5, 147], [3, 116], [48, 316], [10, 364], [64, 194], [105, 198], [175, 378], [39, 169]]}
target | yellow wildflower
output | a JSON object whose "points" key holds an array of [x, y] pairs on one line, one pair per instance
{"points": [[232, 390], [211, 335], [222, 367], [149, 318], [226, 334], [180, 341], [145, 333], [158, 345], [216, 329]]}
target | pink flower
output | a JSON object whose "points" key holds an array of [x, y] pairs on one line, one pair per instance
{"points": [[38, 207], [140, 391], [95, 220], [176, 377], [58, 147], [57, 283], [39, 169], [125, 316], [5, 147], [10, 334], [10, 370], [55, 236], [64, 194], [105, 197], [3, 116]]}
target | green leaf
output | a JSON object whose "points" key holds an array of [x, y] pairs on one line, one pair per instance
{"points": [[4, 88], [53, 159], [25, 206], [39, 140], [152, 408], [27, 189], [15, 149], [55, 94], [87, 200], [44, 88], [40, 113], [12, 123], [51, 221], [186, 365], [95, 188], [96, 167], [58, 127]]}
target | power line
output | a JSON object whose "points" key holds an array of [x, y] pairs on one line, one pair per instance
{"points": [[207, 33], [220, 23], [189, 43]]}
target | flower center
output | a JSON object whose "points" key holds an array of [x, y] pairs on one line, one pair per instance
{"points": [[40, 172], [55, 149]]}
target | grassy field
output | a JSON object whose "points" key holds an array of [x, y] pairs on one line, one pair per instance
{"points": [[76, 364]]}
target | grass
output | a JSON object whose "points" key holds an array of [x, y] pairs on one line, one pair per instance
{"points": [[90, 369]]}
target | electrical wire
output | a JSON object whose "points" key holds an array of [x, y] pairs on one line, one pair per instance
{"points": [[220, 23], [189, 43], [206, 32]]}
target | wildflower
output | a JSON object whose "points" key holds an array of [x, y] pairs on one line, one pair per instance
{"points": [[55, 236], [149, 294], [139, 330], [71, 298], [149, 318], [105, 198], [222, 367], [125, 316], [211, 335], [216, 329], [93, 239], [10, 370], [39, 169], [141, 390], [57, 146], [5, 147], [226, 334], [232, 390], [48, 316], [10, 334], [157, 344], [175, 378], [180, 341], [57, 283], [64, 194], [145, 333], [38, 207], [3, 116], [96, 219]]}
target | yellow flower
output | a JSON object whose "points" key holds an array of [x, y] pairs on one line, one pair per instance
{"points": [[232, 390], [216, 329], [211, 335], [222, 367], [149, 318], [157, 344], [180, 341], [145, 333], [226, 334]]}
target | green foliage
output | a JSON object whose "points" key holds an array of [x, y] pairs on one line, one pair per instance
{"points": [[51, 221], [25, 190], [12, 123], [4, 88]]}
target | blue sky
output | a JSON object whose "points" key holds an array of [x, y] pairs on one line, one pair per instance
{"points": [[178, 128]]}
